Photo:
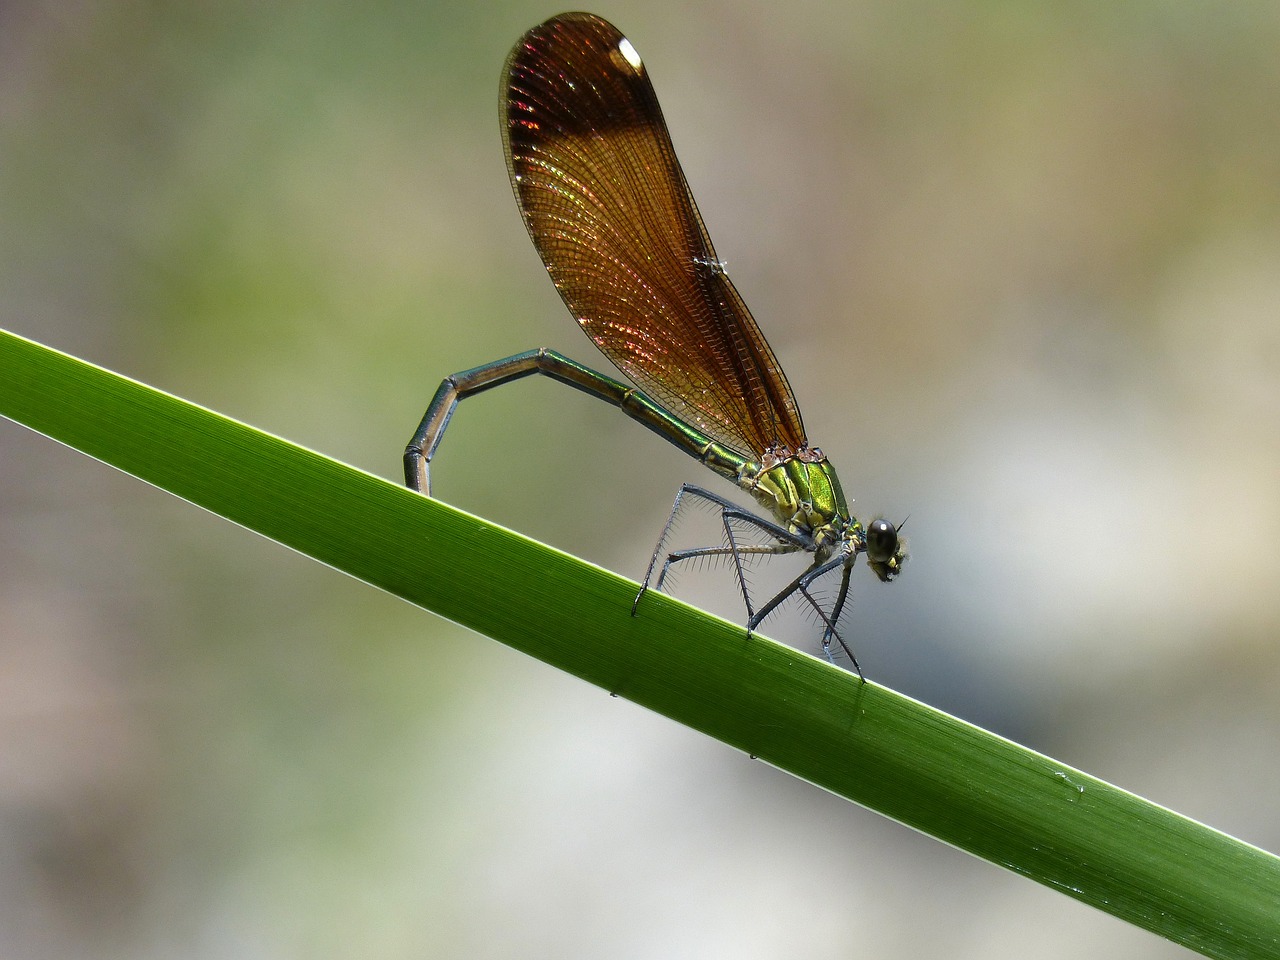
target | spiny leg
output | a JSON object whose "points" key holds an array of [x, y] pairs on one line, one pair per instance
{"points": [[830, 620], [696, 553], [791, 544], [736, 552], [816, 570], [729, 511], [801, 585], [686, 489]]}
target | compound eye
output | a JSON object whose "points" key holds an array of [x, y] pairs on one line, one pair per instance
{"points": [[882, 541]]}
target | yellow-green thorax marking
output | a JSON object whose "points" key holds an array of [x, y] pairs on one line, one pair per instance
{"points": [[802, 490]]}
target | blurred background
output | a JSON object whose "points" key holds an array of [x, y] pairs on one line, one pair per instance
{"points": [[1020, 262]]}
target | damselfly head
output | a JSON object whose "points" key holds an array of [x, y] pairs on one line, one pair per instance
{"points": [[886, 552]]}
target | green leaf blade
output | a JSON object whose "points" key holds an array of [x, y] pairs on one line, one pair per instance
{"points": [[935, 773]]}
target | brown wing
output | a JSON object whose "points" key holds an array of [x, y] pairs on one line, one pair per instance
{"points": [[608, 208]]}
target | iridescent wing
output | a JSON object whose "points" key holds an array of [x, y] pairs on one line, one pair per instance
{"points": [[608, 208]]}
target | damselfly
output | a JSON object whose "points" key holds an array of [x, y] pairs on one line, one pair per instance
{"points": [[608, 208]]}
